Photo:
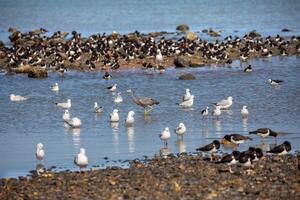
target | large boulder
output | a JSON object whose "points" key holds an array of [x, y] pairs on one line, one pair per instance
{"points": [[191, 36], [183, 28], [37, 73], [187, 76], [181, 61], [196, 62], [254, 34]]}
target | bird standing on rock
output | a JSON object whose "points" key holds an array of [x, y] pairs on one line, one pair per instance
{"points": [[210, 148], [40, 153], [81, 159], [230, 159], [282, 149]]}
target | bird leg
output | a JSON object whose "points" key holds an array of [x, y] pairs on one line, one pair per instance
{"points": [[148, 109], [230, 170]]}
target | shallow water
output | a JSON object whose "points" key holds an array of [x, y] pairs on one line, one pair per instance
{"points": [[24, 124], [267, 17]]}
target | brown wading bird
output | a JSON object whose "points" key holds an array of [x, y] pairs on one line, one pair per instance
{"points": [[144, 102]]}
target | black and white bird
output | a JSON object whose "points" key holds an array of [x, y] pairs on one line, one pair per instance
{"points": [[246, 159], [180, 130], [230, 159], [264, 132], [210, 148], [274, 82], [205, 113], [248, 69], [244, 112], [106, 76], [236, 138], [282, 149], [112, 88]]}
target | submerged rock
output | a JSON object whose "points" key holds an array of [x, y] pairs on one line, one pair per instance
{"points": [[183, 28], [37, 73], [286, 30], [254, 34], [187, 76]]}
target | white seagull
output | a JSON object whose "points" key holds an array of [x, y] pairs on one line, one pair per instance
{"points": [[119, 98], [81, 159], [75, 122], [205, 113], [217, 112], [164, 136], [225, 103], [180, 130], [244, 112], [159, 57], [187, 95], [188, 103], [55, 87], [65, 105], [17, 97], [40, 153], [114, 116], [129, 120], [66, 116], [98, 109], [112, 88]]}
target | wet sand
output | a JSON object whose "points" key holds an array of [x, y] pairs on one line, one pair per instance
{"points": [[183, 177]]}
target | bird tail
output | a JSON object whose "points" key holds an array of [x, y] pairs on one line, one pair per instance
{"points": [[156, 102], [253, 132], [199, 149]]}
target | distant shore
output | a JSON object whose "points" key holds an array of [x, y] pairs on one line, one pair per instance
{"points": [[183, 177], [33, 52]]}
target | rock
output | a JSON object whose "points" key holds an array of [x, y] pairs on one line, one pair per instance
{"points": [[286, 30], [37, 73], [196, 62], [204, 31], [187, 76], [254, 34], [191, 36], [181, 61], [183, 28], [213, 33]]}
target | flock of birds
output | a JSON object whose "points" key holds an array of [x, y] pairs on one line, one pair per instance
{"points": [[246, 157]]}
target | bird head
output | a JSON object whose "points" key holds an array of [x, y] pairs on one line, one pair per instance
{"points": [[167, 129], [181, 125], [39, 146], [216, 143], [287, 145], [66, 111], [269, 80], [82, 151], [115, 111], [230, 98], [69, 101], [236, 154], [227, 137], [244, 107], [131, 113]]}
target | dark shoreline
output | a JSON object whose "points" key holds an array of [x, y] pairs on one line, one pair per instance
{"points": [[183, 177]]}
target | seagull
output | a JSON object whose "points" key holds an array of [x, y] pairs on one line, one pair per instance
{"points": [[159, 57], [17, 97], [188, 103], [205, 113], [40, 153], [180, 130], [210, 148], [225, 103], [81, 159], [112, 88], [236, 138], [264, 132], [187, 95], [66, 116], [230, 159], [282, 149], [65, 105], [75, 122], [130, 120], [164, 136], [114, 116], [217, 112], [274, 82], [55, 87], [244, 112], [119, 98], [248, 69], [106, 76], [98, 109]]}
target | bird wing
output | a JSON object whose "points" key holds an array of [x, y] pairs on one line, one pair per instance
{"points": [[277, 149], [109, 87], [225, 159], [206, 147], [223, 102], [239, 137], [147, 101], [278, 81]]}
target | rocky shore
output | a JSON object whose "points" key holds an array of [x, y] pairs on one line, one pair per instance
{"points": [[35, 52], [183, 177]]}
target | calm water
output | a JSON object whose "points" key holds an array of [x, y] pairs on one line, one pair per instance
{"points": [[268, 17], [24, 124]]}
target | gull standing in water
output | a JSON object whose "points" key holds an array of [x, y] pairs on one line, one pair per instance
{"points": [[188, 103], [97, 109], [225, 103], [187, 95], [65, 105], [66, 116], [40, 153], [180, 130], [17, 97], [205, 113], [130, 120], [114, 116], [244, 112], [144, 102], [75, 122], [217, 112], [81, 159], [164, 136], [55, 87], [119, 98], [112, 88]]}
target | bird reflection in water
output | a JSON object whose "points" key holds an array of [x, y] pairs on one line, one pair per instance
{"points": [[114, 126], [164, 152], [115, 132], [217, 125], [181, 146], [205, 131], [76, 136], [245, 124], [130, 138]]}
